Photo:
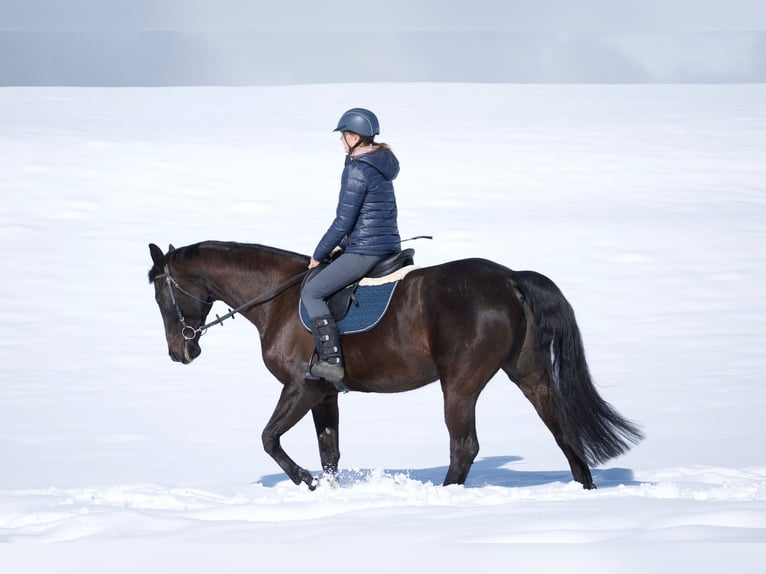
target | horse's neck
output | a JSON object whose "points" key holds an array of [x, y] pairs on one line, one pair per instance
{"points": [[236, 279]]}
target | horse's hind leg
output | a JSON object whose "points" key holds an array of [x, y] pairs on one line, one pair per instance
{"points": [[465, 373], [460, 416], [537, 390], [326, 419], [461, 392]]}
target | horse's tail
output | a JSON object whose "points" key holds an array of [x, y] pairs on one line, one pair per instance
{"points": [[589, 424]]}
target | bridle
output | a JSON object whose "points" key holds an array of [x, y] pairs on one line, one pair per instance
{"points": [[187, 331]]}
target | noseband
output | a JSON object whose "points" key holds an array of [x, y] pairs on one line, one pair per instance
{"points": [[188, 332]]}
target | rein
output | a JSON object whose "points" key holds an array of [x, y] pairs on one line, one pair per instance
{"points": [[188, 332]]}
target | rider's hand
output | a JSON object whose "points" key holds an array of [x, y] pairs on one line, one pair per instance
{"points": [[313, 263]]}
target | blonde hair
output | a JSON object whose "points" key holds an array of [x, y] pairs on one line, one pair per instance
{"points": [[371, 141]]}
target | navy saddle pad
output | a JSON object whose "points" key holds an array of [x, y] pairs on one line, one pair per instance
{"points": [[371, 304]]}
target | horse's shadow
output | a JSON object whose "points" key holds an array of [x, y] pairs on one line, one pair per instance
{"points": [[487, 471]]}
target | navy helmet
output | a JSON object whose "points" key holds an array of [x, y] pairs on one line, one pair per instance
{"points": [[359, 121]]}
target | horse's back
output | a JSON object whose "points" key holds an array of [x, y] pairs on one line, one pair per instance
{"points": [[467, 276], [462, 294]]}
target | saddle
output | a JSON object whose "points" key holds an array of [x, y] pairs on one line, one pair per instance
{"points": [[340, 302]]}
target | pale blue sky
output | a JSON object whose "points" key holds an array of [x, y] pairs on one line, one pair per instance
{"points": [[240, 42]]}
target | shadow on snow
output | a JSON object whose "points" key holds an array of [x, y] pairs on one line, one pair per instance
{"points": [[487, 471]]}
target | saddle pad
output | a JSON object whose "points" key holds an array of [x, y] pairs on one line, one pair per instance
{"points": [[373, 302], [394, 276]]}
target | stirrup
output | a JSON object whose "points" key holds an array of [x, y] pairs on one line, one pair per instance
{"points": [[338, 384], [309, 376], [340, 387]]}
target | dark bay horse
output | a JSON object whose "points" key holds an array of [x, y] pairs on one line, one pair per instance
{"points": [[458, 323]]}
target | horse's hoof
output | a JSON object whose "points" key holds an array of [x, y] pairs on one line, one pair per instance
{"points": [[329, 481], [310, 481]]}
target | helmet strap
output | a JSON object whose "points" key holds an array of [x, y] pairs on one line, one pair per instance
{"points": [[351, 148]]}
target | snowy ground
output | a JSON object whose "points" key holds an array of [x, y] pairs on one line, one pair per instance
{"points": [[645, 204]]}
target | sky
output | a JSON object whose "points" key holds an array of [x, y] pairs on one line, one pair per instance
{"points": [[238, 42]]}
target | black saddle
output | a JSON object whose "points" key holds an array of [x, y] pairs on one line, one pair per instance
{"points": [[340, 301]]}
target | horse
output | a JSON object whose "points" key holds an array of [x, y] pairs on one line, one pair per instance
{"points": [[458, 322]]}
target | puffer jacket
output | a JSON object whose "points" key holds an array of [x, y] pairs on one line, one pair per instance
{"points": [[366, 217]]}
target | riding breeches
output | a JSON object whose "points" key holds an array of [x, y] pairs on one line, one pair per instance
{"points": [[346, 269]]}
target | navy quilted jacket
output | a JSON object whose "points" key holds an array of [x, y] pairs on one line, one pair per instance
{"points": [[365, 220]]}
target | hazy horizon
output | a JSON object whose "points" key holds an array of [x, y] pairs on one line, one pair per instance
{"points": [[233, 42]]}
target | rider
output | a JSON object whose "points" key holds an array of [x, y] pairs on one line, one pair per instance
{"points": [[365, 229]]}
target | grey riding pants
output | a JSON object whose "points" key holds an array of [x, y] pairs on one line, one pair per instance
{"points": [[347, 268]]}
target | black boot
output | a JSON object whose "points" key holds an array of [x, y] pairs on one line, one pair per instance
{"points": [[327, 340]]}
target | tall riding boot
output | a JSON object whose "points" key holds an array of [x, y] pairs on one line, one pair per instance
{"points": [[327, 340]]}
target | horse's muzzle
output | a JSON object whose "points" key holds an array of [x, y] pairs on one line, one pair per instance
{"points": [[189, 351]]}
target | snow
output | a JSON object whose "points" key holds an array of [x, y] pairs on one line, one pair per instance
{"points": [[645, 204]]}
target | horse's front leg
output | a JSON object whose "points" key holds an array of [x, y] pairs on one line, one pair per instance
{"points": [[326, 419], [296, 400]]}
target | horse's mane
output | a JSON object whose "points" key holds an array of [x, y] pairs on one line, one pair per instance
{"points": [[239, 251], [197, 250]]}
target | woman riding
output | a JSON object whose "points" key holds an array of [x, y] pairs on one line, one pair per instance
{"points": [[365, 229]]}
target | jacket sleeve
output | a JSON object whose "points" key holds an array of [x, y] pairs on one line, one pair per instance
{"points": [[352, 192]]}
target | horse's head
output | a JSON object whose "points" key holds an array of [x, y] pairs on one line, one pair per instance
{"points": [[184, 306]]}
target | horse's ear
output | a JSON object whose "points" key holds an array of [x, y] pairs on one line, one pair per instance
{"points": [[157, 256], [171, 247]]}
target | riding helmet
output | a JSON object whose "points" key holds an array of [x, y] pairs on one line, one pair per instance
{"points": [[359, 121]]}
